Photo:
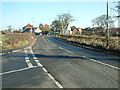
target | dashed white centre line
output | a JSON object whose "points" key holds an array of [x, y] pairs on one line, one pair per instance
{"points": [[61, 48], [45, 70], [58, 84], [65, 50], [68, 51], [50, 76]]}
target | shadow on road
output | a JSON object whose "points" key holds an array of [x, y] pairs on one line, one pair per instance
{"points": [[57, 56], [75, 57]]}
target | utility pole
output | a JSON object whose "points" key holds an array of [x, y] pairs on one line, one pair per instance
{"points": [[118, 14], [107, 29]]}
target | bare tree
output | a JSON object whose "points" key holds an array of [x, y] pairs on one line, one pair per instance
{"points": [[56, 25], [64, 20], [9, 29], [101, 21]]}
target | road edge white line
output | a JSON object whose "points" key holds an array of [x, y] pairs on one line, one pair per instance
{"points": [[102, 63]]}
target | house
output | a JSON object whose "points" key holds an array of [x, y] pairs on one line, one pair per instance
{"points": [[68, 31], [38, 31], [29, 28], [90, 30], [115, 31], [76, 30]]}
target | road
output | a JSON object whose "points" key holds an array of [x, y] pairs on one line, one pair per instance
{"points": [[53, 63]]}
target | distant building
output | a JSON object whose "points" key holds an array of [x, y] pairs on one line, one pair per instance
{"points": [[29, 28], [38, 31], [68, 31], [115, 31], [76, 30]]}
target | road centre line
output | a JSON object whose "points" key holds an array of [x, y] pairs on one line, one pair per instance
{"points": [[50, 76], [91, 59], [65, 50], [53, 44], [58, 84], [61, 48], [50, 42], [45, 70], [68, 51]]}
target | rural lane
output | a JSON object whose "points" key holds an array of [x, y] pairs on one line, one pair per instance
{"points": [[53, 63]]}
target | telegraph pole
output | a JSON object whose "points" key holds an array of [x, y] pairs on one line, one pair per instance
{"points": [[107, 29], [119, 14]]}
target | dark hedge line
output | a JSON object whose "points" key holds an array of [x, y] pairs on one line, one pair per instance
{"points": [[94, 41]]}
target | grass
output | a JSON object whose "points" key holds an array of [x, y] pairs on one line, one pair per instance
{"points": [[15, 40], [4, 38]]}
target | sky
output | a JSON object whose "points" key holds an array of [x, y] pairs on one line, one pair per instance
{"points": [[18, 14]]}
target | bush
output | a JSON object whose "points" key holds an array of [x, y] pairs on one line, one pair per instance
{"points": [[17, 40], [94, 41]]}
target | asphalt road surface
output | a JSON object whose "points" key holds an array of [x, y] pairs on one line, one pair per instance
{"points": [[53, 63]]}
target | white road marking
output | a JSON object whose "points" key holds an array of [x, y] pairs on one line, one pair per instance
{"points": [[65, 50], [61, 48], [26, 58], [38, 63], [58, 84], [29, 63], [102, 63], [34, 58], [68, 51], [53, 44], [50, 76], [50, 42], [45, 70], [105, 64], [17, 70], [84, 57]]}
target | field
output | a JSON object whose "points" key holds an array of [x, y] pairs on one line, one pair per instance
{"points": [[15, 40]]}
